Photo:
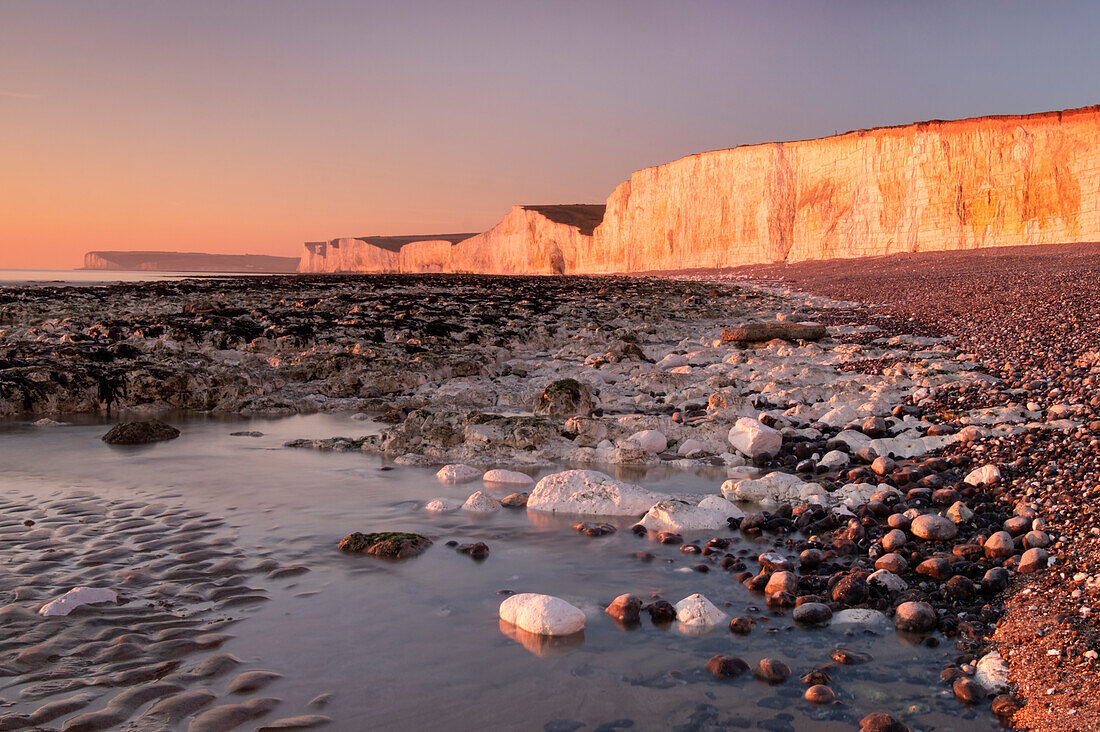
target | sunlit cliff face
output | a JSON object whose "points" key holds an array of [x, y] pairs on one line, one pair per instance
{"points": [[991, 181]]}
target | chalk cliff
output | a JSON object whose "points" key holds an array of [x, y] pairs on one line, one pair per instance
{"points": [[987, 181]]}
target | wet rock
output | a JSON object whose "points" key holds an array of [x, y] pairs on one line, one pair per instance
{"points": [[669, 537], [388, 544], [626, 609], [850, 590], [726, 667], [481, 502], [661, 612], [915, 617], [541, 614], [514, 500], [140, 433], [697, 612], [771, 671], [933, 527], [813, 613], [1005, 706], [967, 692], [781, 582], [458, 473], [565, 398], [741, 625], [593, 528], [819, 694], [653, 441], [848, 657], [442, 505], [676, 515], [507, 477], [881, 722], [888, 580], [478, 550], [589, 492]]}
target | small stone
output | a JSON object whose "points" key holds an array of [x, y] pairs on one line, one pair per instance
{"points": [[458, 473], [781, 582], [848, 657], [1033, 560], [481, 502], [850, 590], [661, 612], [478, 551], [813, 613], [894, 563], [771, 671], [894, 540], [915, 617], [985, 475], [967, 692], [933, 528], [541, 614], [514, 500], [626, 609], [881, 722], [726, 667], [1000, 545], [819, 694], [741, 625], [959, 513]]}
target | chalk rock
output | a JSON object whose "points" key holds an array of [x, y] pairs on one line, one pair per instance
{"points": [[697, 612], [860, 616], [650, 440], [839, 416], [541, 614], [507, 477], [458, 473], [889, 580], [833, 460], [687, 447], [992, 673], [676, 515], [984, 475], [76, 597], [755, 439], [481, 502], [442, 505], [589, 492]]}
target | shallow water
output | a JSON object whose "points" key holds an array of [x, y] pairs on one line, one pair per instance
{"points": [[417, 644]]}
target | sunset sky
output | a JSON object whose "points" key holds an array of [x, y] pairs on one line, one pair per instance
{"points": [[250, 126]]}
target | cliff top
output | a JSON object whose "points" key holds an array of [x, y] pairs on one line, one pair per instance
{"points": [[1055, 115], [583, 216], [394, 243]]}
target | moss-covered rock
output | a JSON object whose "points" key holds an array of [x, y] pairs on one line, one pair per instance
{"points": [[389, 544], [140, 433], [565, 398]]}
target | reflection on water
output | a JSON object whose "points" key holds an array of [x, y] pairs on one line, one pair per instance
{"points": [[418, 644]]}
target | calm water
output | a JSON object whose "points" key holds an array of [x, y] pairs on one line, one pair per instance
{"points": [[94, 276], [418, 645]]}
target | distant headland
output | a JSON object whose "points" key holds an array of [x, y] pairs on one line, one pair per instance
{"points": [[188, 262]]}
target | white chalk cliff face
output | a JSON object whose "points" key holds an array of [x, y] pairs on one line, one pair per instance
{"points": [[988, 181]]}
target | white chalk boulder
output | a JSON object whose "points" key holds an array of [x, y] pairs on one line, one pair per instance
{"points": [[677, 515], [481, 502], [698, 613], [589, 492], [755, 439], [991, 673], [76, 597], [542, 614], [507, 477], [690, 446], [458, 473], [442, 505], [653, 441]]}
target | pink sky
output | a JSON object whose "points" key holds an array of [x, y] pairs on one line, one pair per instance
{"points": [[252, 126]]}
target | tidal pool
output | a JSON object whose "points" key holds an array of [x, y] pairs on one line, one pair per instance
{"points": [[417, 644]]}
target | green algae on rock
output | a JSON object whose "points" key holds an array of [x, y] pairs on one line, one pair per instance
{"points": [[140, 433], [389, 544]]}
